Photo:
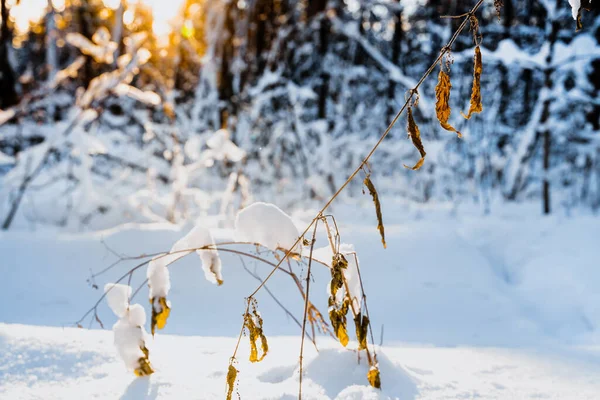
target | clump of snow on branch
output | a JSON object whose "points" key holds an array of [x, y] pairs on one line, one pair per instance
{"points": [[220, 147], [129, 330], [575, 6], [266, 224], [158, 275], [117, 296]]}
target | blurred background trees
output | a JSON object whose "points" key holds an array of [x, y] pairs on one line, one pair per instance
{"points": [[302, 89]]}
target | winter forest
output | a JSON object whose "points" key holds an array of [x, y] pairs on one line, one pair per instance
{"points": [[173, 171]]}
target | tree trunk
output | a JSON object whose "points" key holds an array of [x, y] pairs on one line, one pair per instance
{"points": [[7, 76], [548, 85], [396, 49]]}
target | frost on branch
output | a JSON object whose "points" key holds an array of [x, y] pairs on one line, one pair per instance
{"points": [[266, 224], [129, 330], [101, 48], [159, 281]]}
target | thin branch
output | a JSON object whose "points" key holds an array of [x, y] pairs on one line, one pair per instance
{"points": [[288, 312], [412, 92], [306, 302]]}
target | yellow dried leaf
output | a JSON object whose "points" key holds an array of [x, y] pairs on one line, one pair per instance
{"points": [[342, 335], [369, 184], [361, 322], [476, 106], [338, 320], [374, 378], [415, 136], [161, 309], [144, 368], [254, 324], [442, 105], [231, 377]]}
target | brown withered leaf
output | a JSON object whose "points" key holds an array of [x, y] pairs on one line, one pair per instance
{"points": [[374, 378], [144, 368], [442, 105], [476, 106], [231, 377], [361, 322], [415, 136], [338, 263], [369, 184], [161, 309], [254, 323], [498, 4]]}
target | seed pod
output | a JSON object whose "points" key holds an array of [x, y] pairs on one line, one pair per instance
{"points": [[415, 136], [442, 105], [476, 106], [161, 308], [369, 184]]}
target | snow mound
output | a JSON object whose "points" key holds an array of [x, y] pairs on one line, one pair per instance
{"points": [[338, 372], [266, 224]]}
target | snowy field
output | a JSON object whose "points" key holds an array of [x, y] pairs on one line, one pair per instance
{"points": [[466, 306]]}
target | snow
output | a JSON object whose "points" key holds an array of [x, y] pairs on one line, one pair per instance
{"points": [[6, 159], [71, 363], [575, 6], [158, 274], [129, 336], [495, 307], [117, 297], [266, 224]]}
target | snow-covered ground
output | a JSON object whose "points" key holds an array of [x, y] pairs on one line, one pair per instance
{"points": [[55, 363], [497, 307]]}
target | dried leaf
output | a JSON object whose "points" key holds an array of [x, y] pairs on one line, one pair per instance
{"points": [[144, 368], [231, 377], [338, 319], [361, 322], [254, 323], [369, 184], [442, 106], [161, 308], [415, 136], [374, 378], [498, 4], [476, 106], [338, 263]]}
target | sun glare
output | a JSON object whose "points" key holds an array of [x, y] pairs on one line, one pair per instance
{"points": [[164, 12], [26, 12]]}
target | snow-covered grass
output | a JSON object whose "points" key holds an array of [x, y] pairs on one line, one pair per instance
{"points": [[502, 306]]}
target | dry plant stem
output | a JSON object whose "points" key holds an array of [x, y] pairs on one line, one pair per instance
{"points": [[129, 273], [414, 90], [306, 301], [319, 215], [364, 296], [362, 289], [287, 312]]}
